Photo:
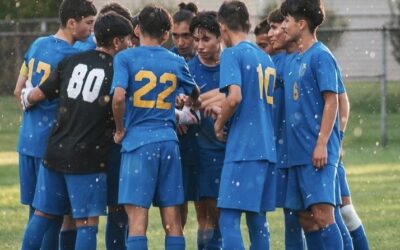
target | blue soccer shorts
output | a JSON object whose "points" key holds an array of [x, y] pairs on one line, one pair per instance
{"points": [[28, 172], [248, 186], [113, 169], [82, 195], [151, 173], [307, 186], [209, 177], [344, 186]]}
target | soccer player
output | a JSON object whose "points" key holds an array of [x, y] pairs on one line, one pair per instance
{"points": [[204, 68], [282, 53], [72, 175], [76, 22], [311, 105], [181, 36], [144, 87], [184, 46], [262, 39], [347, 211], [248, 181]]}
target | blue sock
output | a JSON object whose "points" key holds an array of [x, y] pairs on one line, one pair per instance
{"points": [[314, 240], [137, 243], [331, 237], [229, 224], [174, 243], [86, 238], [52, 236], [258, 229], [67, 239], [293, 232], [34, 232], [359, 237], [116, 230], [347, 242], [201, 240], [215, 243]]}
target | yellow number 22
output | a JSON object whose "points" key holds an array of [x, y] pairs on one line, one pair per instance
{"points": [[160, 103]]}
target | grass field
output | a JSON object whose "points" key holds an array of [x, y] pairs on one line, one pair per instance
{"points": [[373, 175]]}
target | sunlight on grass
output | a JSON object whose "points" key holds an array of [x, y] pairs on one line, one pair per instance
{"points": [[8, 157]]}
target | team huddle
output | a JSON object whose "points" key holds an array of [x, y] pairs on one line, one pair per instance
{"points": [[114, 123]]}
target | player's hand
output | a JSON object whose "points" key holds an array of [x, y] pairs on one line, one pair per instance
{"points": [[180, 101], [118, 136], [219, 131], [182, 129], [24, 98], [212, 111], [320, 156]]}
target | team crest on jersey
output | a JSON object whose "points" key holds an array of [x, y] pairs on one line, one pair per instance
{"points": [[302, 69], [295, 91]]}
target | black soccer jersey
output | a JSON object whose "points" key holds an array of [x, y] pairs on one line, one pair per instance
{"points": [[82, 135]]}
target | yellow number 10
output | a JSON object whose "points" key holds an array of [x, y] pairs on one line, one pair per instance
{"points": [[160, 103], [263, 81]]}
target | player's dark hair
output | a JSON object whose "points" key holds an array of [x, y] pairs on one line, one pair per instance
{"points": [[185, 13], [76, 9], [109, 26], [118, 8], [206, 20], [312, 11], [262, 28], [276, 16], [154, 21], [235, 16], [135, 22]]}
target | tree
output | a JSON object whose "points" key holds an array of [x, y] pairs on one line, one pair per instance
{"points": [[16, 9]]}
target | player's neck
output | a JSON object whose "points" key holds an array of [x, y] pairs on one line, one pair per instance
{"points": [[109, 51], [211, 61], [291, 48], [149, 41], [237, 37], [306, 40], [63, 34]]}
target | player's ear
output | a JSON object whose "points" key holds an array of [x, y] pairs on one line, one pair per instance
{"points": [[165, 37], [71, 23], [136, 30]]}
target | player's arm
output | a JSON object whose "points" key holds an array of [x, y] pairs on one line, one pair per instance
{"points": [[320, 154], [118, 107], [229, 106], [344, 110], [22, 78], [212, 97]]}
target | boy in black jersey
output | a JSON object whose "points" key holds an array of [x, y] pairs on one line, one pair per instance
{"points": [[72, 176]]}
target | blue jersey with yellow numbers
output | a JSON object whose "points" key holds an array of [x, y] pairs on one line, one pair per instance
{"points": [[207, 78], [150, 76], [250, 136], [308, 76], [89, 44], [41, 58]]}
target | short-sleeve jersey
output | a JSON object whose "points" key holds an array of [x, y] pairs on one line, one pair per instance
{"points": [[150, 76], [89, 44], [83, 133], [308, 76], [250, 136], [41, 58], [207, 78]]}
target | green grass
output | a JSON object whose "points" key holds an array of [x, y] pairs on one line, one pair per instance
{"points": [[373, 175]]}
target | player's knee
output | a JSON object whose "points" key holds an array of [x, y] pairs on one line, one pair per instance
{"points": [[90, 221], [350, 217], [307, 222]]}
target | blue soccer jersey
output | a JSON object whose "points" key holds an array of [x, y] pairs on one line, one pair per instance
{"points": [[150, 90], [41, 58], [250, 136], [207, 78], [308, 76], [89, 44]]}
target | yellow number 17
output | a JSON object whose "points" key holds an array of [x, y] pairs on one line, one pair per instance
{"points": [[160, 103], [263, 81]]}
